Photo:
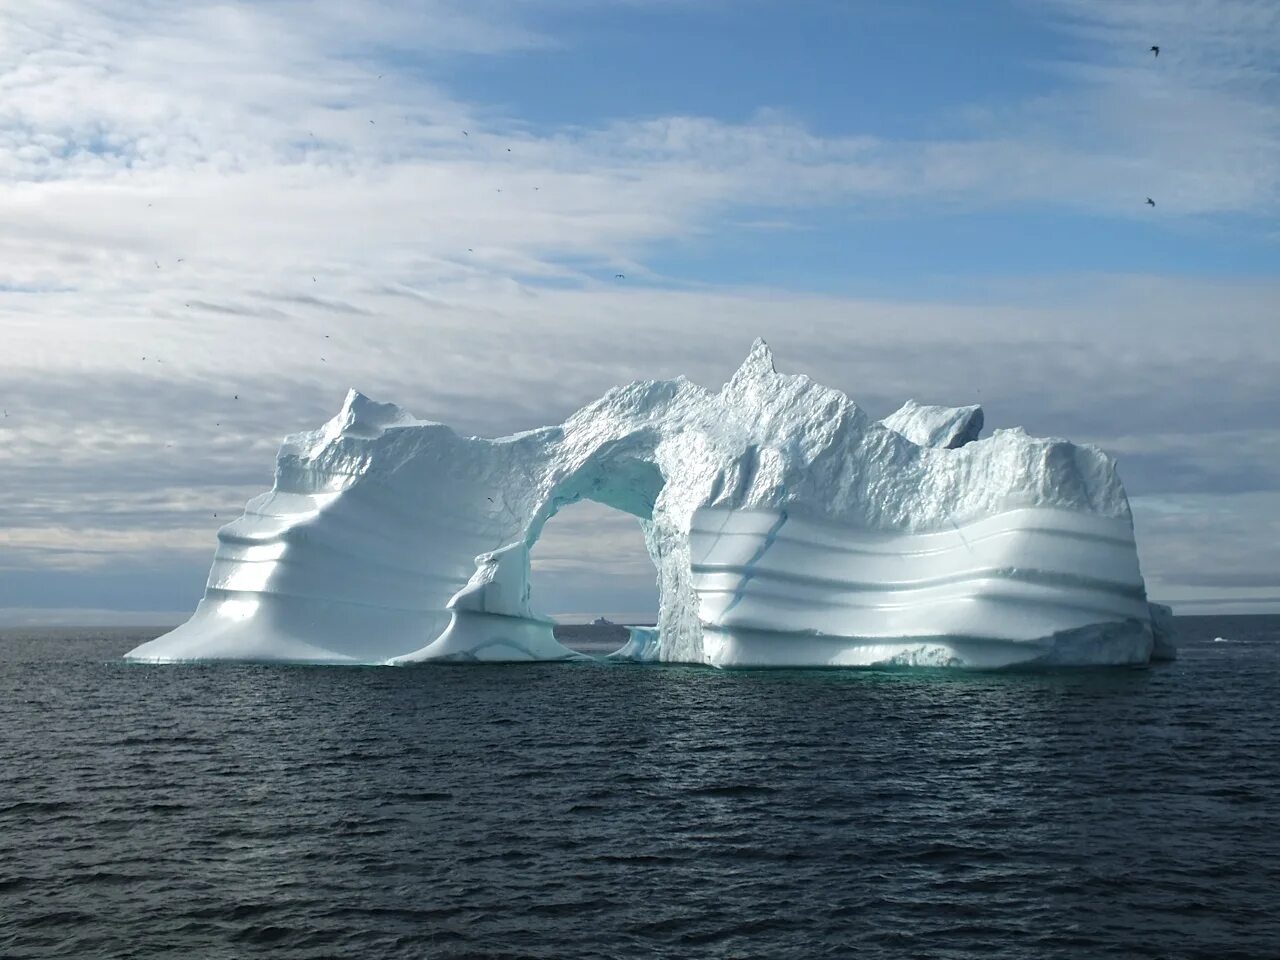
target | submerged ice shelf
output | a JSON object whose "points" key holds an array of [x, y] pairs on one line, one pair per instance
{"points": [[787, 528]]}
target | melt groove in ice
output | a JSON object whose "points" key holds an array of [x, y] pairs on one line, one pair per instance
{"points": [[787, 528]]}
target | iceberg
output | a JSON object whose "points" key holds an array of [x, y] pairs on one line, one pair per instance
{"points": [[787, 528]]}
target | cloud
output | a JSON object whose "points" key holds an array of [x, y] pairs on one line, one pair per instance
{"points": [[45, 618], [279, 201], [1229, 459], [256, 142], [591, 557], [1195, 545], [1208, 578], [1209, 105]]}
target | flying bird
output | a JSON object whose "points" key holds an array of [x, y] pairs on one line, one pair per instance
{"points": [[619, 276], [465, 134], [1155, 49], [1150, 202]]}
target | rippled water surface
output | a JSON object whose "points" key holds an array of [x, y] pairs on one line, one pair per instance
{"points": [[568, 811]]}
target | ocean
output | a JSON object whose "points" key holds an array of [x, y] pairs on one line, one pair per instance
{"points": [[596, 810]]}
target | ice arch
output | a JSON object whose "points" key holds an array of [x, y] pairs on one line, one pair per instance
{"points": [[786, 527], [493, 616]]}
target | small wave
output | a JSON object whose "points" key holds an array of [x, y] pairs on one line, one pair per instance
{"points": [[108, 878], [160, 739], [231, 912], [53, 918], [730, 790], [638, 859], [268, 935], [167, 807], [421, 796], [36, 806], [941, 852]]}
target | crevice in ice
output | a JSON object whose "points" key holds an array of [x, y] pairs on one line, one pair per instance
{"points": [[748, 570]]}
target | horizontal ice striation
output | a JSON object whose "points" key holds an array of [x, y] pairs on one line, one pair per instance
{"points": [[992, 591], [787, 528]]}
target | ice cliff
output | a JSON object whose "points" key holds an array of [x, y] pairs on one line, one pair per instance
{"points": [[786, 526]]}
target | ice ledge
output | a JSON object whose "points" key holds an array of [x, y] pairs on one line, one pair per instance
{"points": [[931, 426]]}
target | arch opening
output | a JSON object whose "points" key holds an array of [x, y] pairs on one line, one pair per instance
{"points": [[496, 616], [594, 574], [591, 573]]}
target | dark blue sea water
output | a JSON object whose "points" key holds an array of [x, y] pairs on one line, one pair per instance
{"points": [[566, 811]]}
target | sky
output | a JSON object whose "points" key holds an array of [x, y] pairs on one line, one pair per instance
{"points": [[430, 200]]}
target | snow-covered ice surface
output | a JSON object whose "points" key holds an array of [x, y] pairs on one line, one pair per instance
{"points": [[786, 526]]}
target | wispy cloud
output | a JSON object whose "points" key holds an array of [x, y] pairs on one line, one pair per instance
{"points": [[253, 141]]}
